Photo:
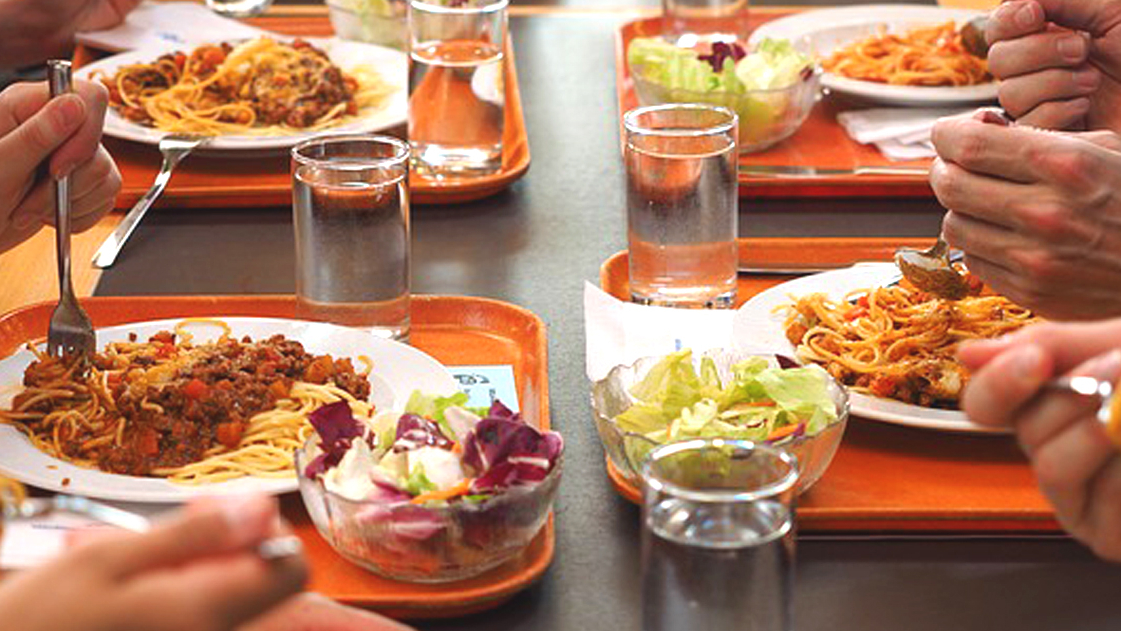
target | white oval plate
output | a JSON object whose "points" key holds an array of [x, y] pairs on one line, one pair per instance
{"points": [[758, 326], [392, 64], [398, 370], [825, 30]]}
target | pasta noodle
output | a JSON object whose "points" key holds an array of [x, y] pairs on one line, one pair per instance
{"points": [[261, 87], [897, 342], [925, 56], [194, 414]]}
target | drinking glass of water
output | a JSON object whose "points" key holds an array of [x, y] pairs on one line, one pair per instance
{"points": [[238, 8], [718, 536], [457, 95], [689, 23], [350, 202], [682, 196]]}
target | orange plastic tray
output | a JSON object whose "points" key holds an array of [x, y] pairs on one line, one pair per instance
{"points": [[886, 478], [820, 142], [454, 330], [207, 181]]}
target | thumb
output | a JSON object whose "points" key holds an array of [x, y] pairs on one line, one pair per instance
{"points": [[33, 141]]}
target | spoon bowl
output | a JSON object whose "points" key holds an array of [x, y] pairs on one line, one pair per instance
{"points": [[931, 271]]}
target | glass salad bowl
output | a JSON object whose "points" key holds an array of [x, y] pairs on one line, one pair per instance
{"points": [[381, 22], [611, 396], [428, 544], [767, 117]]}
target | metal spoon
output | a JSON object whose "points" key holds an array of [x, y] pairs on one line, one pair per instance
{"points": [[973, 37], [931, 270], [71, 332], [173, 147], [1104, 390]]}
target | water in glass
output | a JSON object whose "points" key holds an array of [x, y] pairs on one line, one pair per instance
{"points": [[456, 107], [682, 222], [717, 566], [352, 249]]}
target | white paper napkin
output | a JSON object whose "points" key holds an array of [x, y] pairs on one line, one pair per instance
{"points": [[620, 332], [899, 133], [168, 25]]}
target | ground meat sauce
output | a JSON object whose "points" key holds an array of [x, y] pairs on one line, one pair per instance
{"points": [[208, 403]]}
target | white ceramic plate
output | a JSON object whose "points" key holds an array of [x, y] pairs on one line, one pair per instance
{"points": [[757, 326], [825, 30], [398, 369], [392, 64]]}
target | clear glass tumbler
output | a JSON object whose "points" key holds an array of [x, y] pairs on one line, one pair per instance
{"points": [[718, 536], [350, 202], [682, 204], [693, 23], [457, 95]]}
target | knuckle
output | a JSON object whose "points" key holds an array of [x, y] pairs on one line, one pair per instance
{"points": [[1012, 99], [971, 144], [1040, 268]]}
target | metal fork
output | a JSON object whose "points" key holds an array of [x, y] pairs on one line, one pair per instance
{"points": [[11, 508], [71, 332], [174, 148]]}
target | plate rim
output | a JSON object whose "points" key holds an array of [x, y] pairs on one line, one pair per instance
{"points": [[835, 283], [394, 114], [807, 22], [52, 480]]}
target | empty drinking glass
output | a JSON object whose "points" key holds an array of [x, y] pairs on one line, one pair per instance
{"points": [[718, 536]]}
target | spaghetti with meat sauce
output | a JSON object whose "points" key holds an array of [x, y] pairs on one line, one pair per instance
{"points": [[192, 413], [261, 87], [898, 342]]}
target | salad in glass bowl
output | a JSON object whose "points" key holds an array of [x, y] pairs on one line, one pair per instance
{"points": [[722, 394], [772, 88], [437, 493]]}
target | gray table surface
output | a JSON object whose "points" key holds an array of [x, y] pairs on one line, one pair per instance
{"points": [[534, 246]]}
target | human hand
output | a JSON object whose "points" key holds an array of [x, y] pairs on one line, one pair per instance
{"points": [[199, 572], [66, 131], [32, 31], [312, 612], [1059, 62], [1077, 466], [1038, 214]]}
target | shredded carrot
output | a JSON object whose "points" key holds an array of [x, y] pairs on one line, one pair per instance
{"points": [[783, 432], [457, 448], [460, 489]]}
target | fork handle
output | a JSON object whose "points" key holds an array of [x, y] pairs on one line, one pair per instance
{"points": [[107, 254], [60, 83]]}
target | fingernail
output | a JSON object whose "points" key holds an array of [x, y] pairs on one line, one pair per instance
{"points": [[1026, 15], [993, 117], [69, 112], [1073, 48], [1088, 79], [248, 516]]}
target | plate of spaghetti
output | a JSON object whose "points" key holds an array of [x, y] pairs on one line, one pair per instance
{"points": [[892, 345], [891, 54], [261, 94], [170, 409]]}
